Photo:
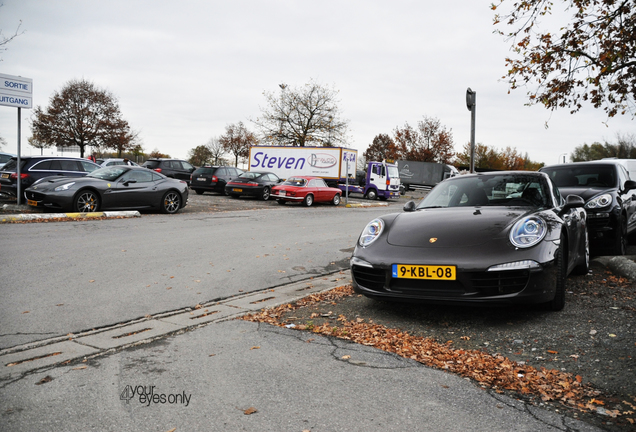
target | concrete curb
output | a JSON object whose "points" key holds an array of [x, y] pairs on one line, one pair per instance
{"points": [[621, 265], [377, 204], [42, 216]]}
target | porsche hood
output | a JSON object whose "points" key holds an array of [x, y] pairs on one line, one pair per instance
{"points": [[451, 228]]}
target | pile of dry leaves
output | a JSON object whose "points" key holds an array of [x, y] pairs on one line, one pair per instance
{"points": [[493, 371]]}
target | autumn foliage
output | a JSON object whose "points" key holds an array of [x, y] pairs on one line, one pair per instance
{"points": [[493, 371], [589, 57]]}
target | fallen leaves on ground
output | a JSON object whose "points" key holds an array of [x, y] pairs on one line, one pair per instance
{"points": [[494, 371], [44, 380]]}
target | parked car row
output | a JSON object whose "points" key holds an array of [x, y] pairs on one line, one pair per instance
{"points": [[77, 184]]}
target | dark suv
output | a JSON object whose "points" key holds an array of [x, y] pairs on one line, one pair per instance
{"points": [[213, 178], [33, 168], [610, 200], [175, 168]]}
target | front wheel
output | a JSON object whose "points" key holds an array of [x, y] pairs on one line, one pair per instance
{"points": [[171, 202], [371, 194], [86, 201], [265, 195], [308, 201], [336, 199]]}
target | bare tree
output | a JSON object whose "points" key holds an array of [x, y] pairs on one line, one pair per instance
{"points": [[237, 141], [4, 40], [216, 150], [306, 116], [83, 115], [3, 142]]}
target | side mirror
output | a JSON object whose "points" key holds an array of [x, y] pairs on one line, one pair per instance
{"points": [[629, 185], [572, 201], [409, 206]]}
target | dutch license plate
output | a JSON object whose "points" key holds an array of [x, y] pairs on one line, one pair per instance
{"points": [[282, 193], [407, 271], [237, 190], [32, 203], [5, 175], [201, 179]]}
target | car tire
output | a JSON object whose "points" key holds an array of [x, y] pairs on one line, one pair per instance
{"points": [[558, 302], [620, 242], [171, 202], [336, 199], [281, 202], [199, 191], [309, 200], [265, 195], [86, 201], [584, 265], [371, 194]]}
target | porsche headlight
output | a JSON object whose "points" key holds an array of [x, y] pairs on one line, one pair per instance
{"points": [[528, 232], [599, 202], [371, 232], [64, 187]]}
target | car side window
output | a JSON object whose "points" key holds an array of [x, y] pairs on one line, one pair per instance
{"points": [[41, 166], [88, 167], [221, 172], [623, 176], [168, 164], [71, 165], [320, 183], [560, 201], [139, 176], [186, 166], [155, 176]]}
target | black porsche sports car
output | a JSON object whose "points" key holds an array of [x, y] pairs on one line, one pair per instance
{"points": [[504, 237], [117, 187]]}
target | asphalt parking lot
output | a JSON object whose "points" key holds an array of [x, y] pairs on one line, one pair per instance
{"points": [[593, 337]]}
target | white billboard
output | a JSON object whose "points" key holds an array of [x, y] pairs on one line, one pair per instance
{"points": [[16, 91], [325, 162]]}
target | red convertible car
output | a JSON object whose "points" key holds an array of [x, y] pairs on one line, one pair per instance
{"points": [[307, 190]]}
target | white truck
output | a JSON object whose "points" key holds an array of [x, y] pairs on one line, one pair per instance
{"points": [[337, 165]]}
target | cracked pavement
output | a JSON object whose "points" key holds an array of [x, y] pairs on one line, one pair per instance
{"points": [[239, 375]]}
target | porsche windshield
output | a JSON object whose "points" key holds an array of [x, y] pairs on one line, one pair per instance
{"points": [[489, 190], [109, 173]]}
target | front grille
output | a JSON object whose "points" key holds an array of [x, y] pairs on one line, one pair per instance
{"points": [[473, 284], [597, 224], [428, 287], [500, 282], [371, 278], [35, 196]]}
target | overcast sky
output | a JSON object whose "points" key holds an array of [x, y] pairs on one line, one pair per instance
{"points": [[183, 70]]}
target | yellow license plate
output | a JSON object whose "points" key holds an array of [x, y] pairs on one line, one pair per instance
{"points": [[407, 271], [32, 203], [5, 175], [237, 190]]}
